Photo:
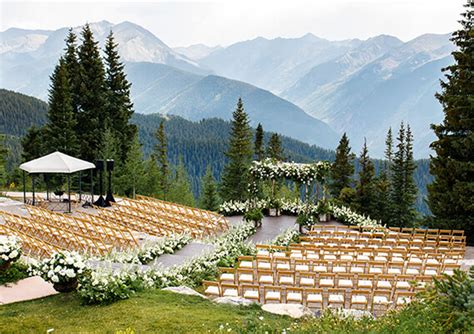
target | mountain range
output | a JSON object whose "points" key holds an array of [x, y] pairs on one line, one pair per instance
{"points": [[308, 88]]}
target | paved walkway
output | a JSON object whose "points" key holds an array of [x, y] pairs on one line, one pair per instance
{"points": [[25, 289]]}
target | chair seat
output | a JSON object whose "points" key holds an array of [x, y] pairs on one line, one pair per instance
{"points": [[364, 284], [227, 277], [301, 267], [330, 257], [384, 285], [265, 279], [347, 257], [246, 264], [312, 256], [286, 280], [307, 281], [380, 258], [272, 295], [279, 254], [320, 269], [375, 270], [431, 272], [363, 258], [412, 271], [357, 270], [246, 278], [432, 261], [380, 300], [336, 299], [326, 282], [402, 285], [251, 294], [230, 293], [294, 296], [394, 271], [212, 290], [263, 252], [264, 265], [283, 266], [314, 298], [358, 299], [339, 269], [345, 283]]}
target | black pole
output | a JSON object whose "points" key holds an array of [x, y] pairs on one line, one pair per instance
{"points": [[80, 187], [24, 187], [69, 192], [92, 186], [33, 183]]}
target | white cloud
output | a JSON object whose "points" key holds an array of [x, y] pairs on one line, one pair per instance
{"points": [[225, 22]]}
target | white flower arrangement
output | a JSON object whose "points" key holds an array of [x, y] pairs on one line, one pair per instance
{"points": [[151, 251], [296, 207], [297, 172], [286, 238], [10, 249], [236, 207], [61, 267]]}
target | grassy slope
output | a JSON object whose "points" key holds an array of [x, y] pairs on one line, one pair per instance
{"points": [[150, 312]]}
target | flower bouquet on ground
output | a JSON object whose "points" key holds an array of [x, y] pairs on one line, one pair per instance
{"points": [[10, 251], [63, 270]]}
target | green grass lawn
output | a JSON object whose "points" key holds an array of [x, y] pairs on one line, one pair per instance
{"points": [[147, 312]]}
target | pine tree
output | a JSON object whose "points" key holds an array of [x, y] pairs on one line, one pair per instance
{"points": [[152, 177], [388, 152], [72, 66], [235, 177], [209, 198], [403, 193], [410, 188], [274, 148], [365, 192], [451, 195], [397, 178], [60, 134], [342, 169], [33, 144], [132, 176], [180, 187], [92, 116], [162, 160], [3, 161], [119, 106], [258, 146]]}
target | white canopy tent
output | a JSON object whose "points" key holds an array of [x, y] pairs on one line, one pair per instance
{"points": [[55, 163]]}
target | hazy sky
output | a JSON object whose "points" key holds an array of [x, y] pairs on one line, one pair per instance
{"points": [[180, 23]]}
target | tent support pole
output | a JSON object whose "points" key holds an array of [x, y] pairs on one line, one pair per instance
{"points": [[33, 184], [80, 186], [24, 187], [69, 192], [92, 186]]}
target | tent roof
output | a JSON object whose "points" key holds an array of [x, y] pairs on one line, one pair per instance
{"points": [[56, 162]]}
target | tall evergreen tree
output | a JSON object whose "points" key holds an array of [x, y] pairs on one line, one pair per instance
{"points": [[92, 116], [404, 190], [180, 187], [162, 159], [274, 148], [33, 143], [119, 106], [398, 179], [258, 146], [365, 192], [451, 195], [209, 196], [60, 134], [132, 175], [152, 177], [342, 169], [72, 65], [3, 160], [235, 176], [410, 188], [388, 152]]}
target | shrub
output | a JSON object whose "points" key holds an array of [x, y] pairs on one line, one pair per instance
{"points": [[61, 267], [16, 272]]}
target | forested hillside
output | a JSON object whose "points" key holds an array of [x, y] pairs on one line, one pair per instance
{"points": [[18, 112], [197, 143]]}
